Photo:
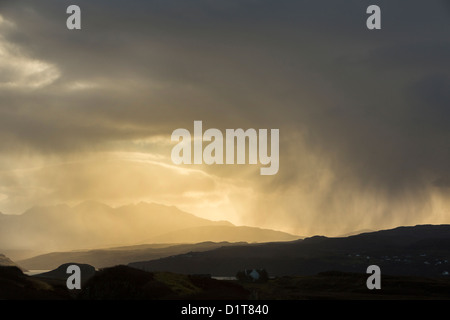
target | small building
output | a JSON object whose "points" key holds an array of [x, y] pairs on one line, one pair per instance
{"points": [[252, 275]]}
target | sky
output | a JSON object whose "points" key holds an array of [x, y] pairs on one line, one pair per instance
{"points": [[363, 115]]}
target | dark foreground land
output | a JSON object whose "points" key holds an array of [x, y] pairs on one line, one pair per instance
{"points": [[122, 282], [350, 286]]}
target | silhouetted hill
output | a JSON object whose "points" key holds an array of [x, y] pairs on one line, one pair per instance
{"points": [[110, 257], [15, 285], [420, 251], [95, 225], [223, 233], [125, 283], [122, 282], [87, 271], [353, 233]]}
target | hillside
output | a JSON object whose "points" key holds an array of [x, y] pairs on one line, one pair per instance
{"points": [[416, 251], [223, 233], [60, 274], [102, 258], [122, 282], [14, 285]]}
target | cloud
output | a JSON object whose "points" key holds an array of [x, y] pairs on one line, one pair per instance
{"points": [[443, 182], [17, 70], [362, 115], [117, 179]]}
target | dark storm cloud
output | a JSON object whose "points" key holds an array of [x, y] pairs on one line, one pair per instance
{"points": [[373, 105]]}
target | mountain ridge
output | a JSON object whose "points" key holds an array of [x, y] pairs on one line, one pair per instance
{"points": [[109, 257], [241, 233], [422, 250]]}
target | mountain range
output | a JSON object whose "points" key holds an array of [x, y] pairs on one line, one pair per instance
{"points": [[422, 250], [414, 263], [91, 225], [109, 257]]}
